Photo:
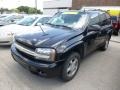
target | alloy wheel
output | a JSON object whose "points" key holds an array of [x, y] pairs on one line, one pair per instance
{"points": [[72, 67]]}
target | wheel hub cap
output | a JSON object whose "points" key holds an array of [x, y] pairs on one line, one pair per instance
{"points": [[72, 67]]}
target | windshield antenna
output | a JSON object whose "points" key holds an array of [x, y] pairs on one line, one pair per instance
{"points": [[39, 24]]}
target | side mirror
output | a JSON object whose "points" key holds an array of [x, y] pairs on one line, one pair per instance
{"points": [[97, 27], [94, 28], [12, 20]]}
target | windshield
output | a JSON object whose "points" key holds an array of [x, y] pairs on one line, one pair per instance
{"points": [[9, 17], [2, 16], [28, 21], [72, 19]]}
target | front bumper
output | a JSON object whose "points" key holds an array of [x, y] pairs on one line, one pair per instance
{"points": [[6, 40], [44, 69]]}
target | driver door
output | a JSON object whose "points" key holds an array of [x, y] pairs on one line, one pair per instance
{"points": [[91, 38]]}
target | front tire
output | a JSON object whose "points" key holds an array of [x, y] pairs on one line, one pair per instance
{"points": [[70, 67]]}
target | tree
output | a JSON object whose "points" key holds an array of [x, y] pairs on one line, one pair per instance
{"points": [[28, 10], [2, 10], [23, 9], [31, 11], [14, 10]]}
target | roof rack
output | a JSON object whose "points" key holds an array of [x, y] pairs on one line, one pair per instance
{"points": [[85, 9]]}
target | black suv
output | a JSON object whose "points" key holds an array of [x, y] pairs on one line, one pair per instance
{"points": [[62, 42]]}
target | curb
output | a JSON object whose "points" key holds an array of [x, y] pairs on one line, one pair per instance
{"points": [[115, 41]]}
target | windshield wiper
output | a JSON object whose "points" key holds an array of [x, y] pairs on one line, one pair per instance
{"points": [[59, 25], [64, 26], [23, 24], [48, 23]]}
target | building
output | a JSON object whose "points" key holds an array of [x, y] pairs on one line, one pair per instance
{"points": [[77, 4], [53, 6]]}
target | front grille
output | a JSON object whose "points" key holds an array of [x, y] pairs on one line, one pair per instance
{"points": [[26, 45], [30, 57], [4, 41], [27, 53]]}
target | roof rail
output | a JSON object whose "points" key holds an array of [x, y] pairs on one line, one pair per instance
{"points": [[85, 9]]}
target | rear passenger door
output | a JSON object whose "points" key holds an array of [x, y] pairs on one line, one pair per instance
{"points": [[105, 23]]}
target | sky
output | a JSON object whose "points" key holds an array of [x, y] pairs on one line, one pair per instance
{"points": [[10, 4]]}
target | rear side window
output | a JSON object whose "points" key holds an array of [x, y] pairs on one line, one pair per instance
{"points": [[113, 18], [108, 18], [104, 19]]}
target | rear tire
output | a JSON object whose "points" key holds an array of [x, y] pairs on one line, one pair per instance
{"points": [[116, 32], [70, 67]]}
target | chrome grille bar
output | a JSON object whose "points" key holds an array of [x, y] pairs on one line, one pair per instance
{"points": [[29, 52]]}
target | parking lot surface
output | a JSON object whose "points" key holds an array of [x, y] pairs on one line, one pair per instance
{"points": [[98, 71]]}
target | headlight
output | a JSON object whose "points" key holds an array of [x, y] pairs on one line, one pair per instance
{"points": [[45, 53]]}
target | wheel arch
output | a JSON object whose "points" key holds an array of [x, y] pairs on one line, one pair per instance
{"points": [[79, 48]]}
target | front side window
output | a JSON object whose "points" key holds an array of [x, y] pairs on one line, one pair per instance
{"points": [[28, 21], [71, 19], [102, 17], [94, 19]]}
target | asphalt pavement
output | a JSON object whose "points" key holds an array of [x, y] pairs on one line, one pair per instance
{"points": [[98, 71]]}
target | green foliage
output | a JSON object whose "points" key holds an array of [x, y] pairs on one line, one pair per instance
{"points": [[23, 9], [28, 10], [2, 10], [14, 10]]}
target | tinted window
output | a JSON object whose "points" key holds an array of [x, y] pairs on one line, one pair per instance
{"points": [[113, 18], [27, 21], [72, 19], [8, 18], [94, 19], [3, 16], [65, 18], [17, 18], [108, 19], [102, 17]]}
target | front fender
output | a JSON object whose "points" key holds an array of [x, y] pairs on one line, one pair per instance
{"points": [[70, 43], [75, 47], [79, 43]]}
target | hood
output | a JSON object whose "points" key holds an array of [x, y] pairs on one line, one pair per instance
{"points": [[18, 29], [51, 37], [2, 22]]}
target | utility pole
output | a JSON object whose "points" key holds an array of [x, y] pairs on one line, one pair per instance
{"points": [[36, 5], [1, 7]]}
